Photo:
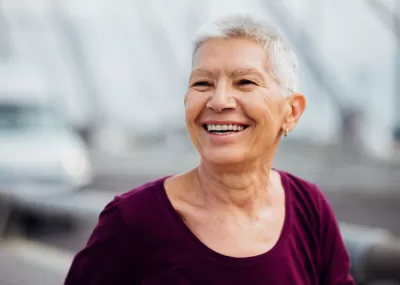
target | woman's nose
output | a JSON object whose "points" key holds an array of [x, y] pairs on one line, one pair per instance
{"points": [[221, 99]]}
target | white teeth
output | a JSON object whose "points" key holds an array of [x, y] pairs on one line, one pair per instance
{"points": [[217, 128]]}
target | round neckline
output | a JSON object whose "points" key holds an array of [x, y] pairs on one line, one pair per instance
{"points": [[221, 258]]}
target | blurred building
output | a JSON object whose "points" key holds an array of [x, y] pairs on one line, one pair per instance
{"points": [[120, 67]]}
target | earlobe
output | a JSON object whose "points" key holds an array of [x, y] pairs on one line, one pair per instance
{"points": [[285, 132]]}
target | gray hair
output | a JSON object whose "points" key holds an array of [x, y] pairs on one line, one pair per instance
{"points": [[283, 61]]}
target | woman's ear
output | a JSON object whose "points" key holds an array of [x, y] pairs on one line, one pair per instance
{"points": [[296, 105]]}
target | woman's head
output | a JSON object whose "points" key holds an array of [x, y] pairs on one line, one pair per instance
{"points": [[241, 95]]}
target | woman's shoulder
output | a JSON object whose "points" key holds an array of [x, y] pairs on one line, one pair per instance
{"points": [[121, 238], [138, 206], [141, 194], [302, 191], [293, 181]]}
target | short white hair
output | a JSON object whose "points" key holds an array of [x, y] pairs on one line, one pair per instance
{"points": [[282, 59]]}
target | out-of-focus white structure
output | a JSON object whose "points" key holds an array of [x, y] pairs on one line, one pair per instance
{"points": [[36, 144], [124, 64]]}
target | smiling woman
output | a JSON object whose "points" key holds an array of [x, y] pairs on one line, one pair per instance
{"points": [[233, 219]]}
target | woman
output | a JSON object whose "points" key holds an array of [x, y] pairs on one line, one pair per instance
{"points": [[233, 219]]}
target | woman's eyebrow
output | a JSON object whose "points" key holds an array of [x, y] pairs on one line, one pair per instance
{"points": [[232, 73], [199, 71]]}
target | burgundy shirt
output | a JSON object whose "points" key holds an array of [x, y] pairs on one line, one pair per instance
{"points": [[140, 239]]}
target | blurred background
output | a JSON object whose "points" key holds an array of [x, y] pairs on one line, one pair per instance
{"points": [[91, 105]]}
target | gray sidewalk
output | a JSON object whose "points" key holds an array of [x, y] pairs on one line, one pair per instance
{"points": [[25, 263]]}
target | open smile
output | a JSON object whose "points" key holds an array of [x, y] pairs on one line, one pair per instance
{"points": [[224, 129]]}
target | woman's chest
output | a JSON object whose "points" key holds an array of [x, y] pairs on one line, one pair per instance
{"points": [[239, 241], [187, 262], [208, 271], [237, 236]]}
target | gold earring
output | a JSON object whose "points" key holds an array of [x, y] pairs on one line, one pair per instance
{"points": [[285, 132]]}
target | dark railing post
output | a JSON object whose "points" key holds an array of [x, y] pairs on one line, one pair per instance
{"points": [[396, 28]]}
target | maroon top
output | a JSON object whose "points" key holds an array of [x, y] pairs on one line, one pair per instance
{"points": [[140, 239]]}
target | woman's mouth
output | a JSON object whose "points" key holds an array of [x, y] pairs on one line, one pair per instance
{"points": [[224, 129]]}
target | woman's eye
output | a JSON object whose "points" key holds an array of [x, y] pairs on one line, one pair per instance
{"points": [[245, 82], [202, 83]]}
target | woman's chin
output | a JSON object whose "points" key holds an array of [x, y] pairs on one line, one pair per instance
{"points": [[224, 157]]}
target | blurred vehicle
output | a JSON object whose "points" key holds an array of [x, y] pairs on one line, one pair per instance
{"points": [[36, 143]]}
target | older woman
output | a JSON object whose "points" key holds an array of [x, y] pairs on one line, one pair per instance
{"points": [[234, 219]]}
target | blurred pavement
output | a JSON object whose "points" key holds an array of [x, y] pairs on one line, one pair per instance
{"points": [[26, 263]]}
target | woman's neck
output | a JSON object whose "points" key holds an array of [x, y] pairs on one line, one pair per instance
{"points": [[246, 190]]}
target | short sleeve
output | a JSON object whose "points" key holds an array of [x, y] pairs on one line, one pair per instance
{"points": [[108, 257], [334, 256]]}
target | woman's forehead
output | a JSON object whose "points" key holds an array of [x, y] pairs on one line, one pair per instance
{"points": [[233, 56]]}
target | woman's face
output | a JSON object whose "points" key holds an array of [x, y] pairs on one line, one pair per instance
{"points": [[235, 111]]}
